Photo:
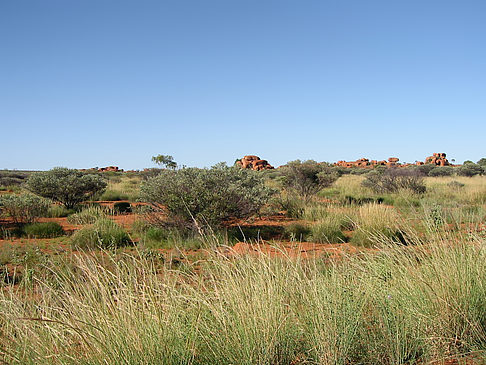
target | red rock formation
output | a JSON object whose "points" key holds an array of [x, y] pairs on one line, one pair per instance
{"points": [[254, 163], [438, 159]]}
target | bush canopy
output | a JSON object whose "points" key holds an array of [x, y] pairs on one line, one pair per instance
{"points": [[201, 197], [66, 186]]}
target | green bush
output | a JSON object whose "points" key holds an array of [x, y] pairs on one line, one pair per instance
{"points": [[104, 233], [469, 169], [306, 178], [441, 171], [23, 208], [66, 186], [43, 230], [207, 197], [327, 230], [394, 179]]}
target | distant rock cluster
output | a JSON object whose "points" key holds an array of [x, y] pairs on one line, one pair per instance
{"points": [[104, 169], [254, 163], [438, 159], [366, 163]]}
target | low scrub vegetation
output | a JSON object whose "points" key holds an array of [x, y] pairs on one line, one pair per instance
{"points": [[23, 208], [202, 198], [66, 186]]}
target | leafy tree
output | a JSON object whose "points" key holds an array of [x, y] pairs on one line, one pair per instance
{"points": [[66, 186], [198, 197], [307, 177], [165, 160]]}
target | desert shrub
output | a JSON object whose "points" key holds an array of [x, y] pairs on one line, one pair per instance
{"points": [[297, 232], [425, 169], [306, 178], [469, 169], [24, 207], [12, 178], [66, 186], [327, 230], [395, 179], [88, 215], [113, 195], [207, 197], [376, 223], [104, 233], [122, 207], [441, 171], [43, 230]]}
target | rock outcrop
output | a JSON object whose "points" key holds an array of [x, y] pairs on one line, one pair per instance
{"points": [[254, 163], [438, 159]]}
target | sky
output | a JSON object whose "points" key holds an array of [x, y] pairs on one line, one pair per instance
{"points": [[115, 82]]}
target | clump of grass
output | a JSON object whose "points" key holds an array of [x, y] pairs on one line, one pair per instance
{"points": [[88, 215], [398, 306], [104, 233], [297, 232], [327, 230], [376, 223], [314, 212], [59, 211], [43, 230], [113, 195]]}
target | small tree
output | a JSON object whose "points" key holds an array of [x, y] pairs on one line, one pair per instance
{"points": [[165, 160], [307, 177], [207, 196], [66, 186]]}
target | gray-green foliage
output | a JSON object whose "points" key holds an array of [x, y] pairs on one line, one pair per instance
{"points": [[395, 179], [470, 169], [306, 178], [208, 196], [24, 208], [66, 186]]}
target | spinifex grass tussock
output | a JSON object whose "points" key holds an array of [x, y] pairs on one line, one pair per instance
{"points": [[401, 305], [328, 229], [88, 215], [375, 222], [104, 233]]}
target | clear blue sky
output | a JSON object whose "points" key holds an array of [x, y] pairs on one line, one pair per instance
{"points": [[99, 82]]}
